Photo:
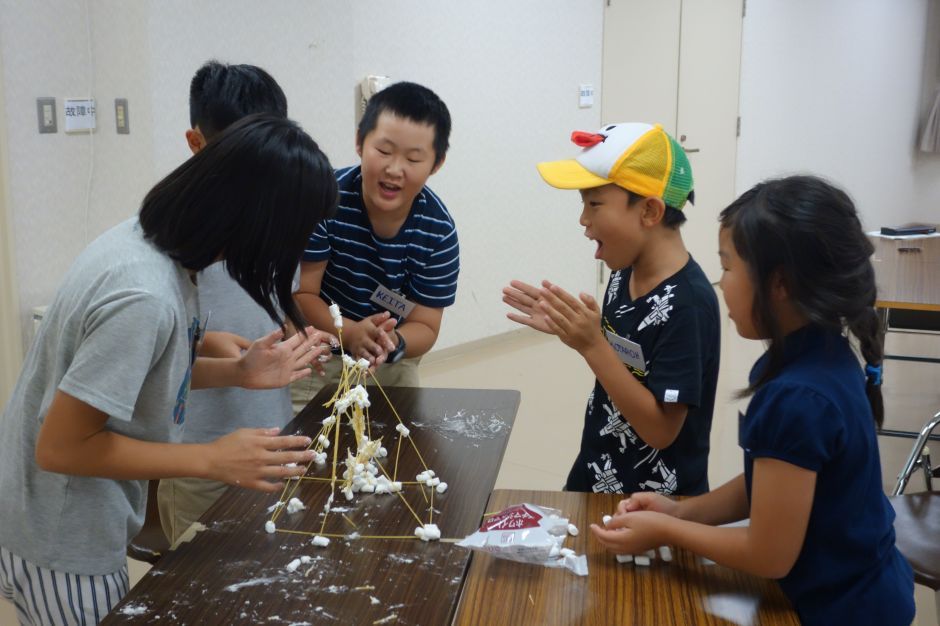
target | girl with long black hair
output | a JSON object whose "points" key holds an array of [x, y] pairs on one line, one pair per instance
{"points": [[797, 274]]}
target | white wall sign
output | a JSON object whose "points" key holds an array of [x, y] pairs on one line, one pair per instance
{"points": [[79, 115]]}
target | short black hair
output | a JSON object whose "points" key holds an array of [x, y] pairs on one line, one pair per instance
{"points": [[221, 94], [252, 197], [807, 232], [413, 102], [672, 217]]}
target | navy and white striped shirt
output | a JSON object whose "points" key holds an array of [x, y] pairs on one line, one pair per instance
{"points": [[421, 262]]}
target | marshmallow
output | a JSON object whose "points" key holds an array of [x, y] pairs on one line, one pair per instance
{"points": [[293, 565], [665, 553], [403, 430], [441, 488], [321, 541], [607, 519], [642, 560], [624, 558], [323, 441], [362, 364], [428, 532], [269, 527], [336, 315], [573, 530], [295, 505], [305, 560], [329, 421]]}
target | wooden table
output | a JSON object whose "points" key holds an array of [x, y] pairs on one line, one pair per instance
{"points": [[234, 572], [685, 591]]}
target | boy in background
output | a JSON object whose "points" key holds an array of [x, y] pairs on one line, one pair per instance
{"points": [[390, 257], [219, 95], [647, 422]]}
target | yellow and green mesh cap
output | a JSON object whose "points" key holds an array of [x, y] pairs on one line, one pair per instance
{"points": [[639, 157]]}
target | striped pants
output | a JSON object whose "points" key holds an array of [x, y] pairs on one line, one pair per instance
{"points": [[44, 597]]}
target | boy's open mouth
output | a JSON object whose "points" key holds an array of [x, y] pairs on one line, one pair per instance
{"points": [[389, 191]]}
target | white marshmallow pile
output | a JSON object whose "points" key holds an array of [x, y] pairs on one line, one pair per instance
{"points": [[336, 315], [357, 395], [428, 532], [364, 477], [293, 565]]}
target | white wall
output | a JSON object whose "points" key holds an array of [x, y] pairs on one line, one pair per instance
{"points": [[66, 189], [837, 88], [509, 73]]}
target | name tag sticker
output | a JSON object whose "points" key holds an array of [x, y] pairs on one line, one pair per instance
{"points": [[391, 301], [628, 351]]}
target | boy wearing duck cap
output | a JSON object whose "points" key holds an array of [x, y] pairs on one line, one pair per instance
{"points": [[648, 419]]}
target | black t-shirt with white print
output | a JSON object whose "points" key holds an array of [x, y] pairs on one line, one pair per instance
{"points": [[677, 326]]}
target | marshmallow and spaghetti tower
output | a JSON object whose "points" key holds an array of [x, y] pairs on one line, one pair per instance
{"points": [[365, 468]]}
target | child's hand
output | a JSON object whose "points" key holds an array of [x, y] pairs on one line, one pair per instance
{"points": [[325, 344], [648, 501], [369, 338], [576, 322], [633, 533], [270, 363], [254, 457], [524, 298]]}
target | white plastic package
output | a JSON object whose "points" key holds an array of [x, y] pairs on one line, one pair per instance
{"points": [[527, 533]]}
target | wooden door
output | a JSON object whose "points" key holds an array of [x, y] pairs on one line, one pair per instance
{"points": [[677, 62]]}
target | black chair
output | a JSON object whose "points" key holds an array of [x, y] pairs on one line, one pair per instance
{"points": [[917, 521]]}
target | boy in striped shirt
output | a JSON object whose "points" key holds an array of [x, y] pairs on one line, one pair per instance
{"points": [[390, 257]]}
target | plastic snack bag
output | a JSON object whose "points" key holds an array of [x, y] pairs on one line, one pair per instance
{"points": [[527, 533]]}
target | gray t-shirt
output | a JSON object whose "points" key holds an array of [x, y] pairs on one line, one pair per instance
{"points": [[117, 337], [212, 413]]}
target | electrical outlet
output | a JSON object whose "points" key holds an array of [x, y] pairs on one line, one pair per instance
{"points": [[45, 109], [121, 119]]}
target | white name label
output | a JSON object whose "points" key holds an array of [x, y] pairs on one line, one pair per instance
{"points": [[391, 301], [628, 351]]}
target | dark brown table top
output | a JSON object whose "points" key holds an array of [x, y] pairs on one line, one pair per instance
{"points": [[234, 572], [684, 591]]}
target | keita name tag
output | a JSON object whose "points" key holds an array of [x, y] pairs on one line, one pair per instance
{"points": [[628, 351], [388, 299]]}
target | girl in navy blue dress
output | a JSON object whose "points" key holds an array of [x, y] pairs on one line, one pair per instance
{"points": [[797, 274]]}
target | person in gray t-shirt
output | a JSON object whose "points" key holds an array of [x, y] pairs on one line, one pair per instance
{"points": [[102, 396], [219, 95]]}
